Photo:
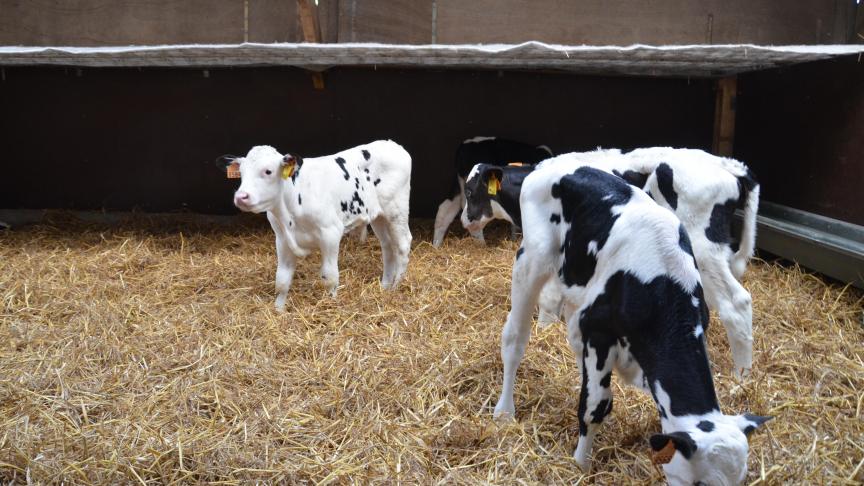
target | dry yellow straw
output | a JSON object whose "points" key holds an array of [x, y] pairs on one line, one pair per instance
{"points": [[136, 354]]}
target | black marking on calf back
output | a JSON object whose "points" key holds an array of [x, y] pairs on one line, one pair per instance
{"points": [[356, 183], [587, 197], [299, 199], [555, 218], [658, 320], [344, 206], [705, 426], [366, 154], [377, 181], [341, 162], [633, 178], [664, 182]]}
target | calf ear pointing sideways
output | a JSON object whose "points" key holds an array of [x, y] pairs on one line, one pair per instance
{"points": [[230, 164], [749, 422]]}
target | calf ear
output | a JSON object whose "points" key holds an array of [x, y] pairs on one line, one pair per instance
{"points": [[748, 422], [290, 165], [492, 178], [665, 445], [223, 162]]}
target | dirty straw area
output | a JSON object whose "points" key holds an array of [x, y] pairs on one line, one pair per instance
{"points": [[150, 353]]}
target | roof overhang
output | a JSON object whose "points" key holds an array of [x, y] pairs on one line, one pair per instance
{"points": [[636, 60]]}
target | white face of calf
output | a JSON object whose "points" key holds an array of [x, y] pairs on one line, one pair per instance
{"points": [[713, 453], [261, 179]]}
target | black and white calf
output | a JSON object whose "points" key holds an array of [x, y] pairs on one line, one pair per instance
{"points": [[312, 202], [626, 269], [488, 150], [703, 191]]}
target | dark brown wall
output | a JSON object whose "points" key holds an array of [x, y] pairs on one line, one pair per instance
{"points": [[801, 129], [129, 138], [621, 22]]}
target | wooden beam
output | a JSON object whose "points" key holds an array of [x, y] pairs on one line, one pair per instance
{"points": [[308, 13], [311, 32], [724, 116]]}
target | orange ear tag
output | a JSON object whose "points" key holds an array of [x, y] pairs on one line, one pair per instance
{"points": [[664, 455], [494, 185], [288, 169], [516, 164], [233, 171]]}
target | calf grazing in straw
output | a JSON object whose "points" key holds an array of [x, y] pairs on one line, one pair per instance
{"points": [[489, 150], [312, 202], [626, 269], [701, 189]]}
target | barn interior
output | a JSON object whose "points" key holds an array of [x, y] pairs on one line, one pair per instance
{"points": [[117, 107]]}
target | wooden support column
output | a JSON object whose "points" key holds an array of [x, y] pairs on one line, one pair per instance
{"points": [[308, 13], [724, 116]]}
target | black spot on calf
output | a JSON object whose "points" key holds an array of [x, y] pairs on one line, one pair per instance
{"points": [[587, 197], [684, 240], [519, 252], [602, 410], [555, 218], [299, 199], [377, 181], [341, 162], [664, 182], [344, 206], [705, 426], [633, 178], [366, 154]]}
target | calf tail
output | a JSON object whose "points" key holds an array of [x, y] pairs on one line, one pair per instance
{"points": [[749, 203]]}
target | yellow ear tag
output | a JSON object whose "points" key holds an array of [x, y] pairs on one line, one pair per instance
{"points": [[288, 169], [233, 171], [494, 185], [664, 455]]}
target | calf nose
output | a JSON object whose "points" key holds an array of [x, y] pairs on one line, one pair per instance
{"points": [[241, 197]]}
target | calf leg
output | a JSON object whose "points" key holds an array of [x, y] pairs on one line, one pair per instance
{"points": [[360, 233], [528, 278], [329, 246], [382, 231], [447, 211], [595, 399], [286, 262], [400, 243], [550, 304], [734, 307]]}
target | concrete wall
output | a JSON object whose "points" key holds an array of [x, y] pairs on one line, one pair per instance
{"points": [[111, 22]]}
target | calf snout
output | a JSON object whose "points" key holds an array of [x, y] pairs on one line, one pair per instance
{"points": [[241, 199]]}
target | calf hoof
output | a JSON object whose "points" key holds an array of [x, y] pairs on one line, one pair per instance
{"points": [[741, 373], [437, 243], [545, 320], [583, 463], [504, 411], [280, 302]]}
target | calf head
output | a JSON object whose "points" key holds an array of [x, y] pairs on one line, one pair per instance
{"points": [[262, 171], [713, 453], [481, 188]]}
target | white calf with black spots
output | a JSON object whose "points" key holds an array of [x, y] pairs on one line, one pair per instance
{"points": [[626, 269], [312, 202], [704, 191]]}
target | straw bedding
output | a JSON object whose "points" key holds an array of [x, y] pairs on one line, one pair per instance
{"points": [[150, 353]]}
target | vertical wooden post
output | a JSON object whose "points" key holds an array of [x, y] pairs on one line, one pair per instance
{"points": [[309, 21], [724, 116], [311, 32]]}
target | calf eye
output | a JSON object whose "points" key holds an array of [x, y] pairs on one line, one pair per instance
{"points": [[268, 171]]}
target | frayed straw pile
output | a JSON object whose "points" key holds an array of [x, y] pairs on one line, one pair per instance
{"points": [[151, 353]]}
